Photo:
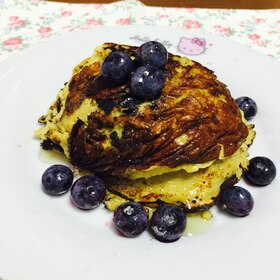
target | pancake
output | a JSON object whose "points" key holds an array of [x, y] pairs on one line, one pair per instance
{"points": [[178, 148], [196, 191]]}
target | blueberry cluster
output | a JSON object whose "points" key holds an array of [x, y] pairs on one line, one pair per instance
{"points": [[147, 80], [87, 192], [238, 201], [167, 224], [261, 171]]}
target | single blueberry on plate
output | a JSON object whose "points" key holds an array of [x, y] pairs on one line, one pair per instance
{"points": [[147, 82], [57, 179], [168, 223], [117, 66], [88, 192], [261, 171], [248, 106], [236, 201], [153, 53], [130, 219]]}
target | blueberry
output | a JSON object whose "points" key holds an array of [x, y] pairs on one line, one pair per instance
{"points": [[153, 53], [168, 223], [236, 201], [147, 82], [130, 219], [57, 179], [248, 106], [261, 171], [88, 192], [117, 66]]}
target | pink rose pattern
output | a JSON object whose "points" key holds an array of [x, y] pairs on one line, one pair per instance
{"points": [[123, 21], [259, 29], [13, 43], [192, 24]]}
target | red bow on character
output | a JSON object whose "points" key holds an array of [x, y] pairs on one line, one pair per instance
{"points": [[197, 41]]}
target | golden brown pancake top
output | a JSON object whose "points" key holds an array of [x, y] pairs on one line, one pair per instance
{"points": [[190, 122]]}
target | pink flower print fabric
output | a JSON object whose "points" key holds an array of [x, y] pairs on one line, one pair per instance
{"points": [[24, 23]]}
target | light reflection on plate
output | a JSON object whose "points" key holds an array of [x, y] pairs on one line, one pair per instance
{"points": [[43, 237]]}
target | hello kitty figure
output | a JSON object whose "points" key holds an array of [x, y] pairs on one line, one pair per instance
{"points": [[192, 46]]}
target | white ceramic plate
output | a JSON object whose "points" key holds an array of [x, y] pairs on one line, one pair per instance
{"points": [[43, 237]]}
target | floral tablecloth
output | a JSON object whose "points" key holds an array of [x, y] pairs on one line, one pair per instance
{"points": [[24, 23]]}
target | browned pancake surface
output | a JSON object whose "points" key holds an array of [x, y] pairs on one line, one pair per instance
{"points": [[192, 119]]}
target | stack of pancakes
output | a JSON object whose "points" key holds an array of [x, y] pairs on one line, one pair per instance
{"points": [[180, 148]]}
